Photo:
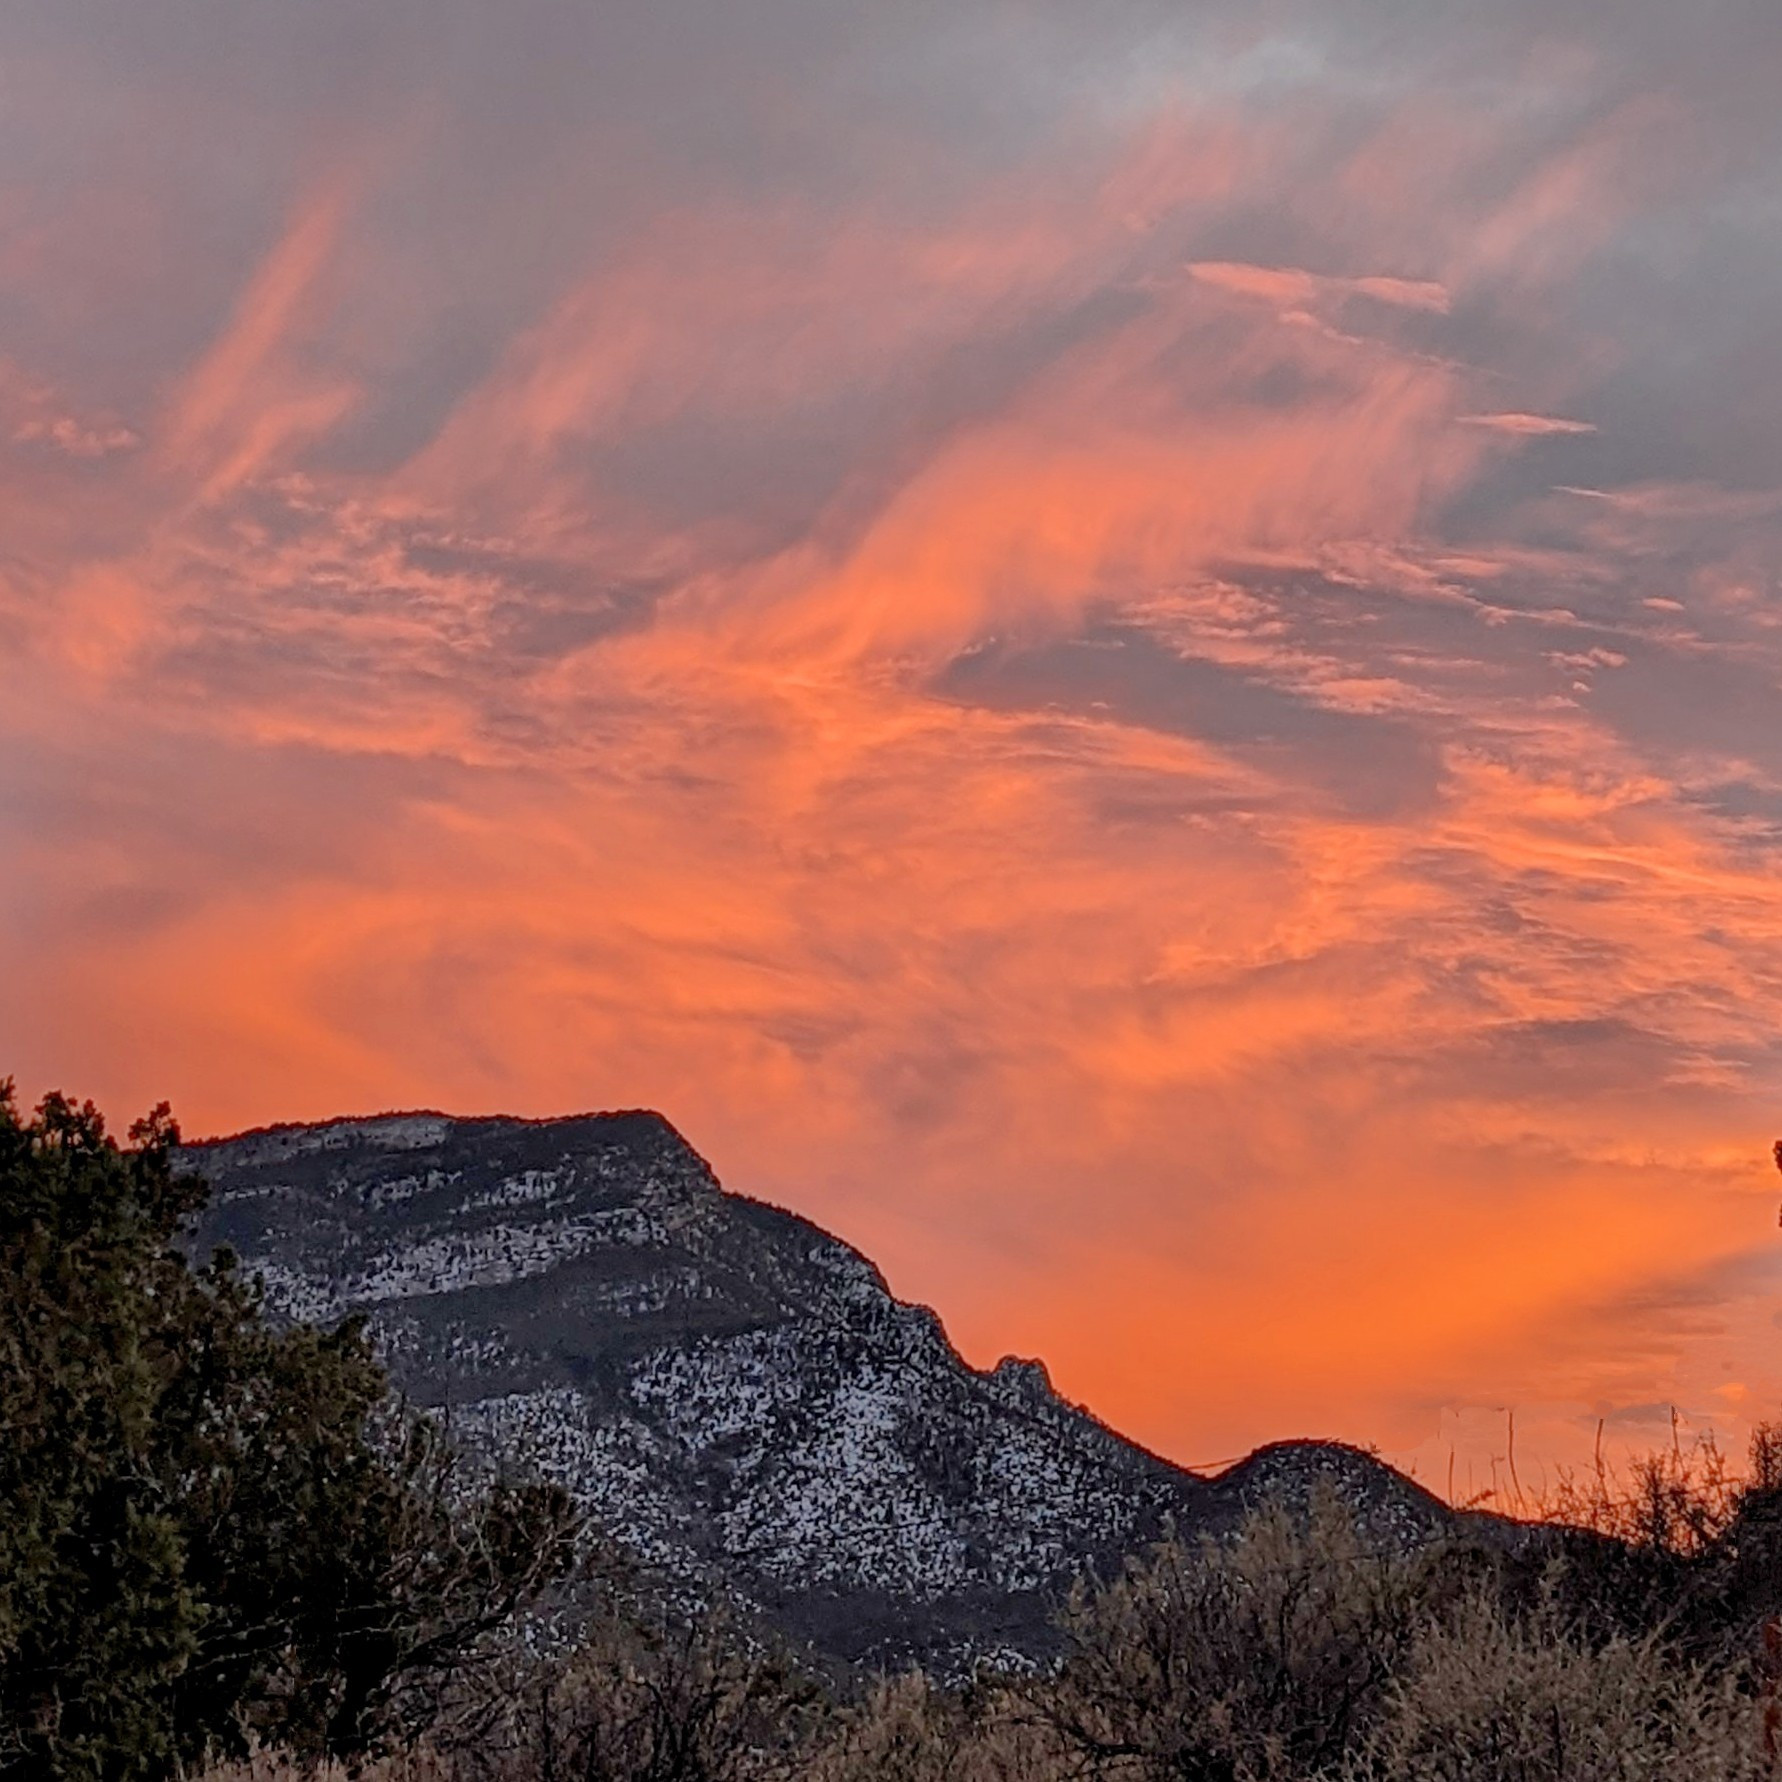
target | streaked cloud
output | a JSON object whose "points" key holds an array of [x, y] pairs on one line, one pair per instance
{"points": [[1528, 426], [1003, 618]]}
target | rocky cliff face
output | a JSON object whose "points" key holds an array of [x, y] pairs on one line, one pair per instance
{"points": [[732, 1392]]}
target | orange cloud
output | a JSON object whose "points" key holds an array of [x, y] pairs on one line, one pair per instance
{"points": [[244, 402], [1073, 773]]}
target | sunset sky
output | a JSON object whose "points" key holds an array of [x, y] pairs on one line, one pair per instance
{"points": [[1131, 652]]}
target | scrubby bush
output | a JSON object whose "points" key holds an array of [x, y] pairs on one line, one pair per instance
{"points": [[646, 1698], [1485, 1697], [909, 1729], [1683, 1548], [1628, 1646], [1267, 1656], [1292, 1652]]}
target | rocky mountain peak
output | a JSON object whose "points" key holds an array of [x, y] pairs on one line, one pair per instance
{"points": [[731, 1391]]}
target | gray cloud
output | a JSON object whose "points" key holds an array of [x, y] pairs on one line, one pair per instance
{"points": [[1186, 599]]}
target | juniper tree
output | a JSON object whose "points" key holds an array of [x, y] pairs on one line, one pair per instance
{"points": [[210, 1528]]}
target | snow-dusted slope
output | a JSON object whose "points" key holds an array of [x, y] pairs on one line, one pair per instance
{"points": [[733, 1392]]}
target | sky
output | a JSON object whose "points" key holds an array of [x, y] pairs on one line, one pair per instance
{"points": [[1129, 651]]}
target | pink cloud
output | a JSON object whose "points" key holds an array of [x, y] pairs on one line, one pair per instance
{"points": [[1525, 426], [245, 403], [1289, 288], [71, 437]]}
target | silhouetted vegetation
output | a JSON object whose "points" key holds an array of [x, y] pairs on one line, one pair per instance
{"points": [[1294, 1652], [220, 1542], [211, 1531]]}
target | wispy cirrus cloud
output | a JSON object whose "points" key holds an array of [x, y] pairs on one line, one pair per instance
{"points": [[1523, 426], [1008, 624], [1292, 291]]}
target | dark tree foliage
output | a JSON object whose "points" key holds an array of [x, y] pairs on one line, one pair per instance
{"points": [[211, 1530]]}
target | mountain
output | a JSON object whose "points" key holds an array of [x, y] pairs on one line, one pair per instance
{"points": [[730, 1391]]}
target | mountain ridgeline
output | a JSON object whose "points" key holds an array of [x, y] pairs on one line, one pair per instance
{"points": [[728, 1390]]}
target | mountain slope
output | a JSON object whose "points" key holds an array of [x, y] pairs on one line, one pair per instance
{"points": [[732, 1392]]}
